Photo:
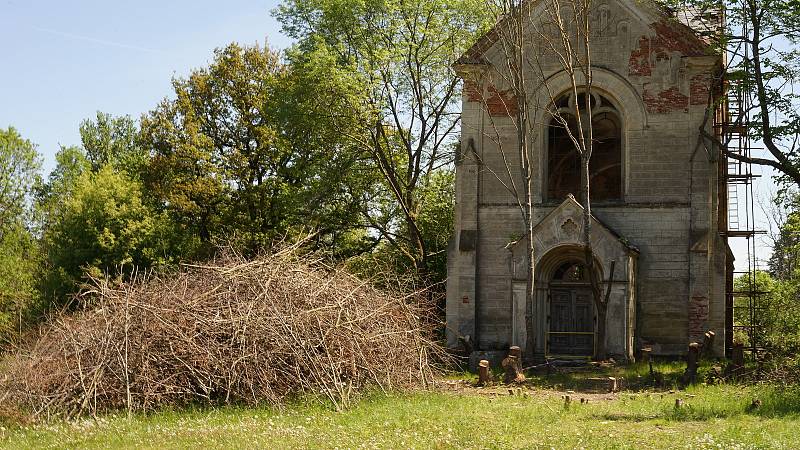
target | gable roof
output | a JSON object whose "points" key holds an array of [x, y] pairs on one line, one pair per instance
{"points": [[571, 203], [690, 23]]}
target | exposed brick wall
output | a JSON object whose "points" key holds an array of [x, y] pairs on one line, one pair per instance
{"points": [[698, 315], [665, 101], [472, 91], [699, 86], [669, 37], [499, 103]]}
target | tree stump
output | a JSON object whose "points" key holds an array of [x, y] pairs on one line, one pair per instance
{"points": [[737, 359], [612, 384], [483, 373], [646, 353], [714, 375], [692, 359], [708, 344], [513, 370]]}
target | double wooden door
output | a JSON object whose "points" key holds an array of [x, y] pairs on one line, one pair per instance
{"points": [[571, 318]]}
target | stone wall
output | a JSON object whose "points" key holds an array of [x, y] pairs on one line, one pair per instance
{"points": [[660, 77]]}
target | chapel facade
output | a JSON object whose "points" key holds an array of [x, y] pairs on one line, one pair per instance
{"points": [[657, 189]]}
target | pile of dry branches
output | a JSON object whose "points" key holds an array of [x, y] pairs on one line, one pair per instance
{"points": [[252, 332]]}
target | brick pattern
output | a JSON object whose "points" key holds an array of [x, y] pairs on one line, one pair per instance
{"points": [[698, 315], [472, 91], [501, 103], [498, 102], [670, 37], [666, 101], [699, 87]]}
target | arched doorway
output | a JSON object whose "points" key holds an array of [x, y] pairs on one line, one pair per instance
{"points": [[570, 330]]}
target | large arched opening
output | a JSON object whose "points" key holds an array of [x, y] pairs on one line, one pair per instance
{"points": [[563, 160]]}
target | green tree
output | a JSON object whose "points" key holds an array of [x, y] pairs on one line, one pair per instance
{"points": [[314, 116], [71, 163], [782, 315], [19, 172], [437, 214], [102, 226], [113, 140], [93, 214], [784, 263], [19, 175], [760, 38], [399, 56], [19, 256], [245, 151], [760, 288]]}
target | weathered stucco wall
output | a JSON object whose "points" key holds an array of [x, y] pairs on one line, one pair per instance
{"points": [[658, 75]]}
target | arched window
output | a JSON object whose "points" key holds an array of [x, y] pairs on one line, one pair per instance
{"points": [[570, 272], [563, 160]]}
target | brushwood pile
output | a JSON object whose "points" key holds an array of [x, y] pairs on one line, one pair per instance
{"points": [[252, 332]]}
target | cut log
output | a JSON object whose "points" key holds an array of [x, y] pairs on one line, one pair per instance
{"points": [[708, 344], [513, 370], [483, 373], [612, 384], [512, 365], [646, 352], [692, 359]]}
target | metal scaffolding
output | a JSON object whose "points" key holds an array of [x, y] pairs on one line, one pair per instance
{"points": [[745, 300]]}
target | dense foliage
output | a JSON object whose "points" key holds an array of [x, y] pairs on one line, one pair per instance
{"points": [[772, 307], [19, 168]]}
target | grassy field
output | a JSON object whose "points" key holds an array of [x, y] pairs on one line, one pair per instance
{"points": [[458, 416]]}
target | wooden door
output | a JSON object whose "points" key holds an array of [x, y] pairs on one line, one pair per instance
{"points": [[571, 322]]}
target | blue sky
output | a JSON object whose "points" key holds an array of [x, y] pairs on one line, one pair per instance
{"points": [[62, 61]]}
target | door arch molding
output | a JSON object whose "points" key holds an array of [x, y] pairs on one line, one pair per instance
{"points": [[570, 316]]}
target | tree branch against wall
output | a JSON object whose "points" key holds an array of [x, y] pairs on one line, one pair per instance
{"points": [[560, 32], [401, 54]]}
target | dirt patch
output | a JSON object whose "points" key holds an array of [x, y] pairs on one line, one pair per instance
{"points": [[528, 389]]}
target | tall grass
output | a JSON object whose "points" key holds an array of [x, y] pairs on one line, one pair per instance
{"points": [[712, 417]]}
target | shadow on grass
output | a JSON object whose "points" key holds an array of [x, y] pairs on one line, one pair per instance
{"points": [[684, 414], [592, 379], [778, 401], [720, 402], [626, 417]]}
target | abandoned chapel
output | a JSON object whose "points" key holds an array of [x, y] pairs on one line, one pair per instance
{"points": [[658, 198]]}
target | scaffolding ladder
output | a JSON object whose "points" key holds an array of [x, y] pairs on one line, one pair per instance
{"points": [[745, 302]]}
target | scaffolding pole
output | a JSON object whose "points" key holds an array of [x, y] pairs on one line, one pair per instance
{"points": [[745, 301]]}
